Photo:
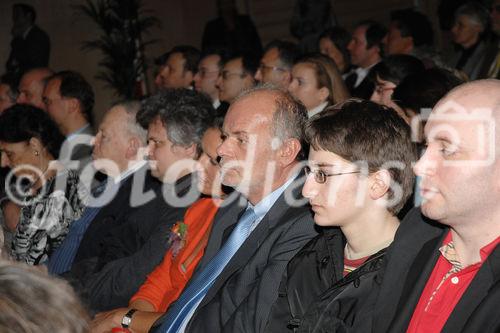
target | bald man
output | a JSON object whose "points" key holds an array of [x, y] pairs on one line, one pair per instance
{"points": [[443, 271], [31, 87]]}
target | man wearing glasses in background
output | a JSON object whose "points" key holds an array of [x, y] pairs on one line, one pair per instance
{"points": [[205, 80], [276, 64], [236, 76]]}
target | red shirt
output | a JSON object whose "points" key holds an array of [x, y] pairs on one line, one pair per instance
{"points": [[351, 265], [445, 287]]}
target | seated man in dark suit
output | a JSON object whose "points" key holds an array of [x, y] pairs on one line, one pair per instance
{"points": [[256, 232], [69, 100], [128, 237], [365, 49], [443, 270], [30, 46]]}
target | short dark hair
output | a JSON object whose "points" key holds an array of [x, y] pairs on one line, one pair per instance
{"points": [[162, 59], [21, 122], [190, 54], [26, 9], [288, 51], [359, 130], [249, 61], [340, 38], [395, 68], [74, 85], [423, 90], [32, 301], [414, 24], [184, 113], [223, 54], [375, 33]]}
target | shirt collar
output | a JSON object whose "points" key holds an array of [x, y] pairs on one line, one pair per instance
{"points": [[216, 103], [449, 253], [362, 73], [268, 201], [317, 109], [136, 165], [78, 131]]}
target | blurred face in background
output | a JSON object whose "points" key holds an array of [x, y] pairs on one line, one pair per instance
{"points": [[465, 31], [6, 101], [328, 48], [173, 74], [271, 70], [206, 78], [395, 43], [383, 92], [233, 80], [304, 86], [209, 178], [31, 89]]}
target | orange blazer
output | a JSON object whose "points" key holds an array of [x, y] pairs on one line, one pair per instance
{"points": [[166, 282]]}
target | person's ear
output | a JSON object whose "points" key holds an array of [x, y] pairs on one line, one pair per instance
{"points": [[409, 43], [324, 93], [380, 183], [133, 148], [288, 151], [189, 75], [73, 104], [36, 146]]}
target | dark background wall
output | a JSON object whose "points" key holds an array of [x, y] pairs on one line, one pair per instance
{"points": [[182, 22]]}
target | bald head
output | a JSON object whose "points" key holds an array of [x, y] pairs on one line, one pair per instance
{"points": [[476, 94], [31, 87], [460, 169], [474, 100]]}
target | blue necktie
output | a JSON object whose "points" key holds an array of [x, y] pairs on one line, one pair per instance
{"points": [[201, 283], [62, 258]]}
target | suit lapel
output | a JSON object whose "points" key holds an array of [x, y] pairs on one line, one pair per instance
{"points": [[412, 234], [417, 277], [279, 212]]}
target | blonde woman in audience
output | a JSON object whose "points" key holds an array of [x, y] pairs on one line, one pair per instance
{"points": [[316, 82], [31, 301]]}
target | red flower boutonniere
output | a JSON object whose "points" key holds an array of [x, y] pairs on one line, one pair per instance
{"points": [[177, 238]]}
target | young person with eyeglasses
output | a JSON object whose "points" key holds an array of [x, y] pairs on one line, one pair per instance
{"points": [[357, 179]]}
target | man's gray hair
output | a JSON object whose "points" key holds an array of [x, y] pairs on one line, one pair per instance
{"points": [[476, 12], [184, 113], [131, 107], [290, 116]]}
